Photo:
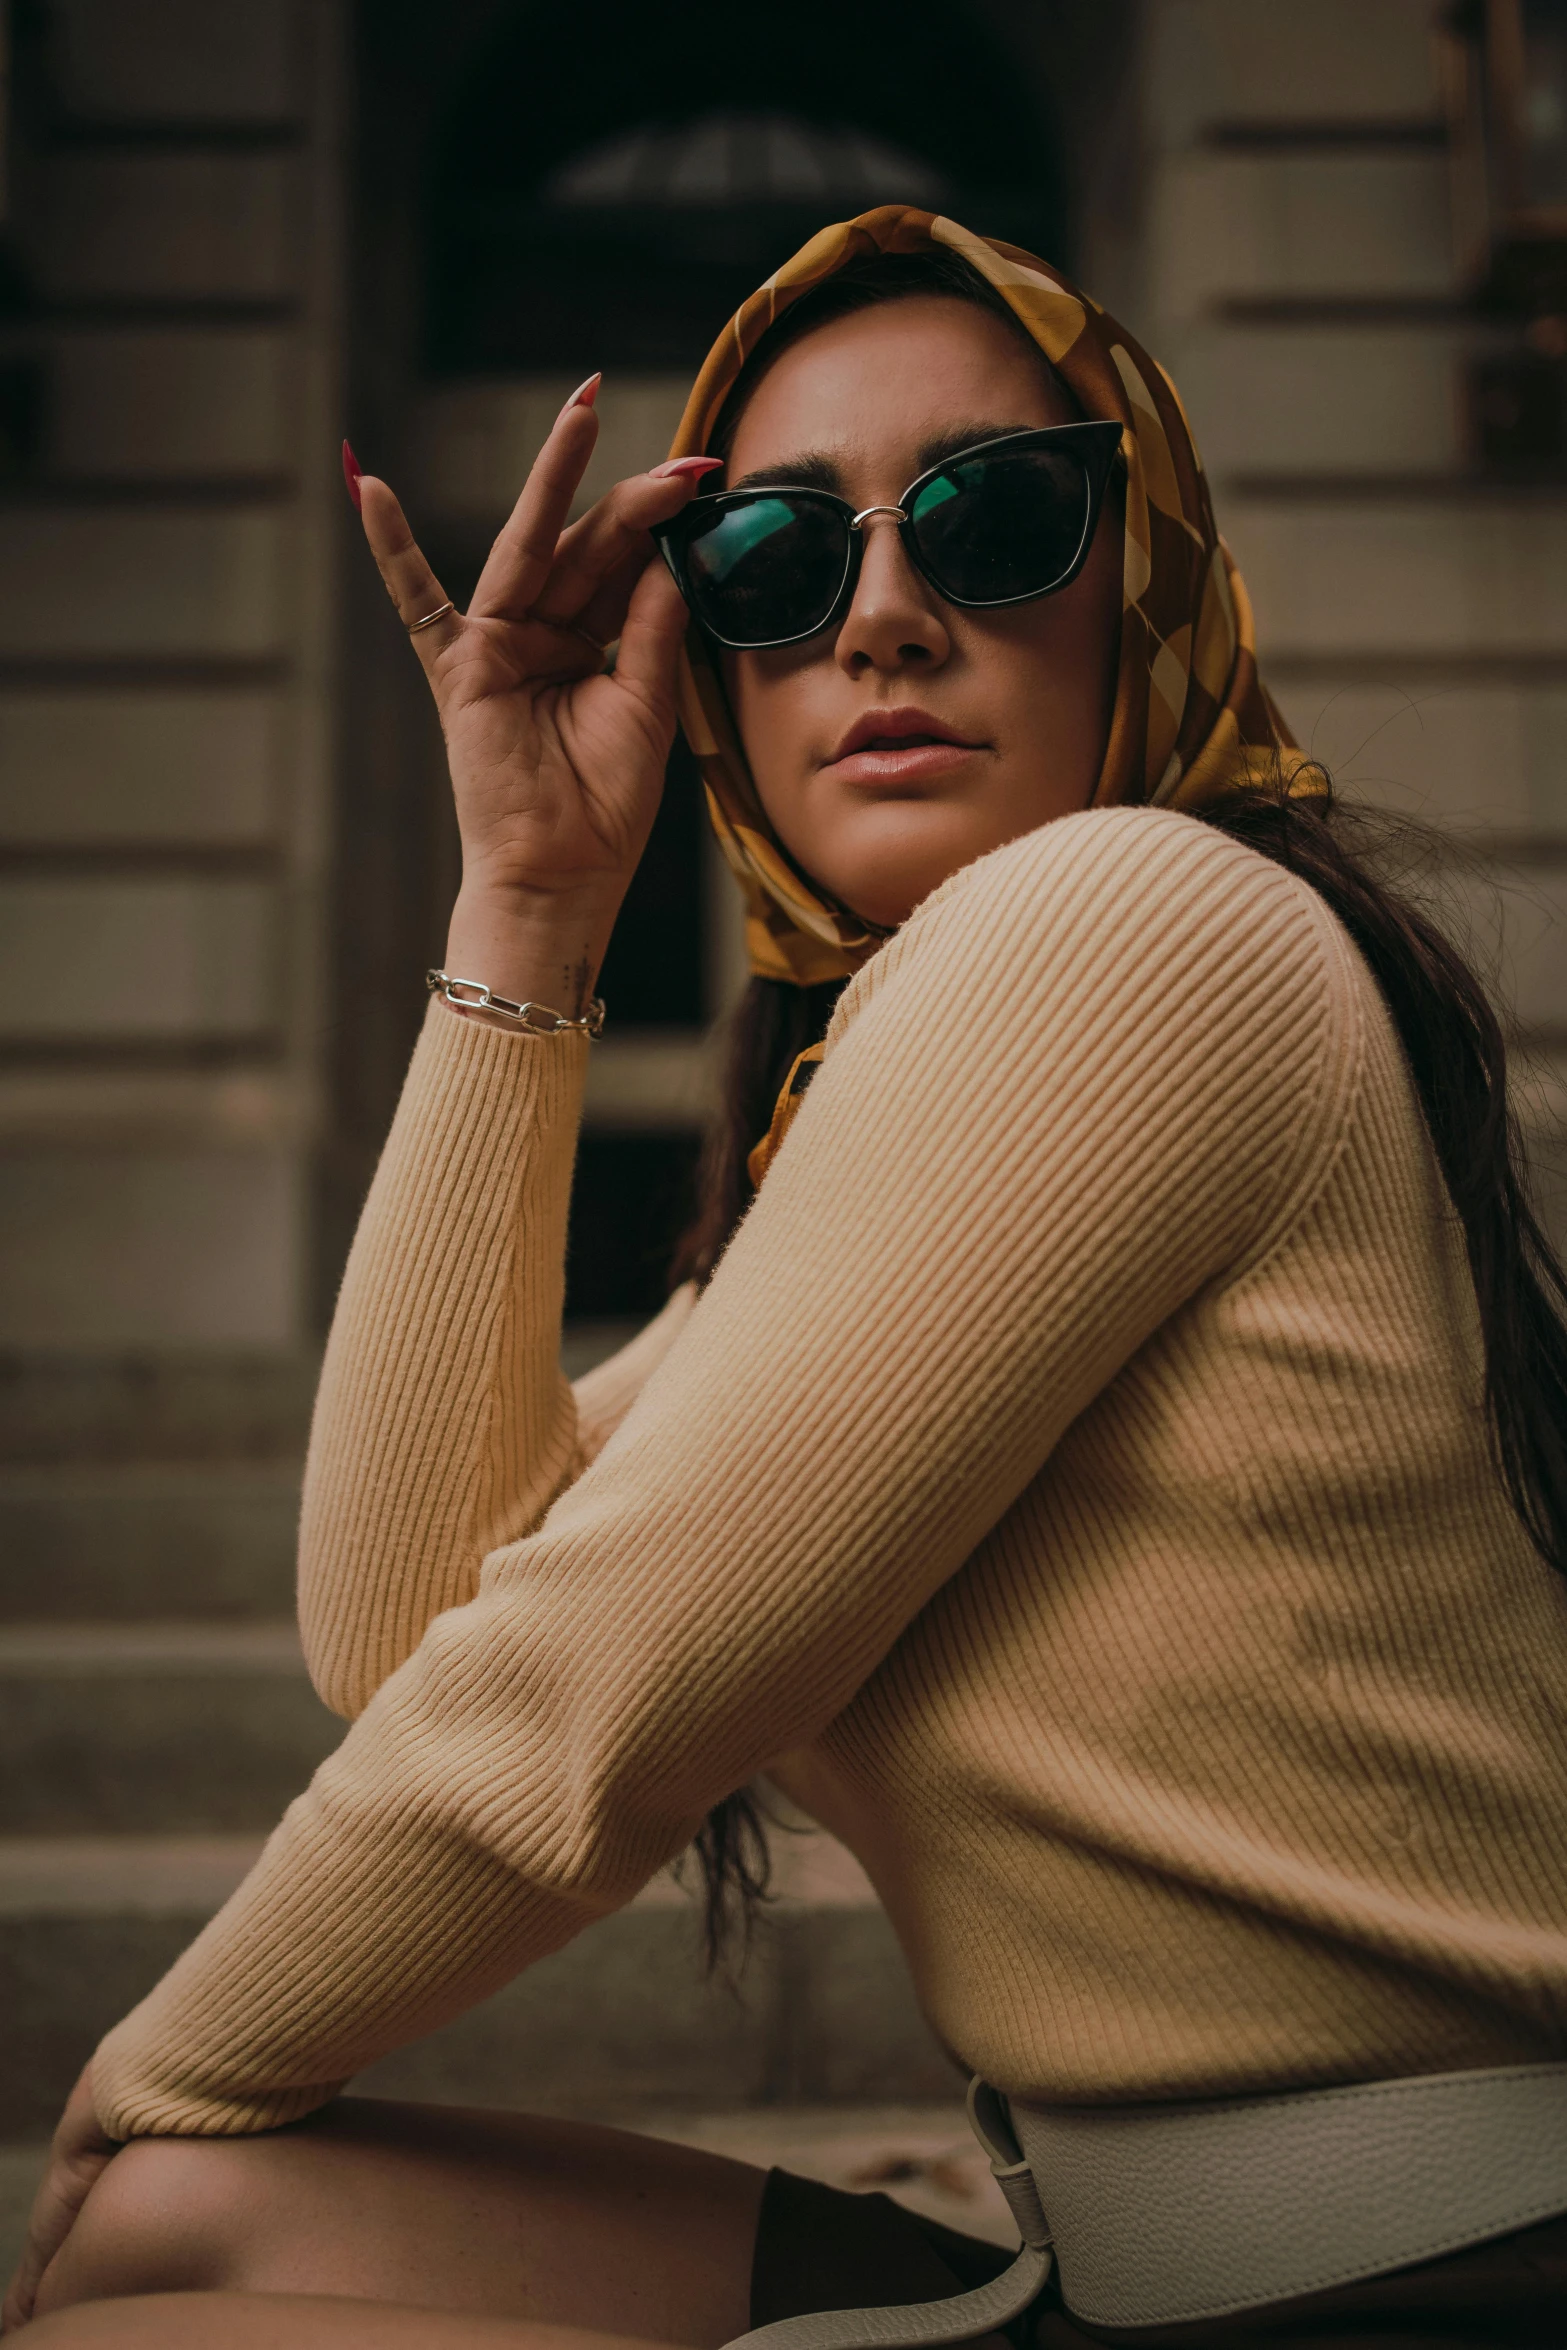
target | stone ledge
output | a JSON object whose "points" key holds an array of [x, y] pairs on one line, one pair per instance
{"points": [[150, 1729], [121, 1542], [819, 2009], [61, 1877], [163, 1406]]}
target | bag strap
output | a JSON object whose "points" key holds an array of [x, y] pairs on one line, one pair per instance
{"points": [[965, 2316]]}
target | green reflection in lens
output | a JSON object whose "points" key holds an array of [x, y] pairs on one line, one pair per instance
{"points": [[738, 534], [934, 494]]}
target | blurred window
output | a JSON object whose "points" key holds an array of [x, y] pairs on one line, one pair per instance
{"points": [[731, 157], [1544, 126], [618, 224]]}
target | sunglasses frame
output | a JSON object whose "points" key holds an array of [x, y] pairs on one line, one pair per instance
{"points": [[1095, 440]]}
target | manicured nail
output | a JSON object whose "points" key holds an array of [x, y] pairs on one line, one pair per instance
{"points": [[585, 394], [351, 475], [686, 468]]}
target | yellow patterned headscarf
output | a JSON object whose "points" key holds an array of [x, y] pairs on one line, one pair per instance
{"points": [[1192, 718]]}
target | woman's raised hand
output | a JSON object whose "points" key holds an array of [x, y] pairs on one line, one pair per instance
{"points": [[556, 766]]}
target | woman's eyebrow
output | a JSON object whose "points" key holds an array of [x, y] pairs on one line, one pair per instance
{"points": [[943, 445], [795, 473], [816, 471]]}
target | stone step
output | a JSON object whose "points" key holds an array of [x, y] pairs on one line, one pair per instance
{"points": [[1302, 226], [143, 226], [1336, 62], [160, 955], [820, 2012], [1316, 399], [1478, 758], [154, 1728], [191, 1405], [127, 1542], [169, 1245], [923, 2156], [170, 404], [141, 62], [1404, 572], [221, 581]]}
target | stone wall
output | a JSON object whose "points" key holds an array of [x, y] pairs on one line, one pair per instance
{"points": [[1411, 613], [166, 645]]}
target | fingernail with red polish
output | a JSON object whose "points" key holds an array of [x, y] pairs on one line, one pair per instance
{"points": [[686, 468], [585, 394], [351, 472]]}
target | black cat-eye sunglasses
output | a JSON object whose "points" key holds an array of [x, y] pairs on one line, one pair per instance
{"points": [[998, 523]]}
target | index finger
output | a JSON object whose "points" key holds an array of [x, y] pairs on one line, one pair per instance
{"points": [[421, 601], [519, 562], [610, 542]]}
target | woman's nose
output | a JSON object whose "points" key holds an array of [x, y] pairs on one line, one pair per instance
{"points": [[894, 620]]}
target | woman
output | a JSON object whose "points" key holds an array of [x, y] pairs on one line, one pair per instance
{"points": [[1113, 1477]]}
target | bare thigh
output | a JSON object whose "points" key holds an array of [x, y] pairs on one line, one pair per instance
{"points": [[279, 2321], [491, 2215]]}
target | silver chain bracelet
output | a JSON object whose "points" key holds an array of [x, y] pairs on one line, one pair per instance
{"points": [[472, 995]]}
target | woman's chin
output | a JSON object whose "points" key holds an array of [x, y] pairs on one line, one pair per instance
{"points": [[886, 879], [888, 907]]}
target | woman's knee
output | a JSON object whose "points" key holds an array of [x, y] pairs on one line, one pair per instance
{"points": [[167, 2215]]}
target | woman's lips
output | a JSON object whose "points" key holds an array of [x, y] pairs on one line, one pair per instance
{"points": [[912, 760]]}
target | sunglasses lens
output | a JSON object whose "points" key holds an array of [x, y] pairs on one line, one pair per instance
{"points": [[766, 569], [998, 527]]}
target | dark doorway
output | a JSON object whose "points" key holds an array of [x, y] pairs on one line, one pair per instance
{"points": [[654, 192], [537, 191]]}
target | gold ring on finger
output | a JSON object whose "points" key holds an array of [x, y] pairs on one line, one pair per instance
{"points": [[430, 618]]}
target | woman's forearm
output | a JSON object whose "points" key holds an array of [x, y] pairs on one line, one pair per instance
{"points": [[443, 1424]]}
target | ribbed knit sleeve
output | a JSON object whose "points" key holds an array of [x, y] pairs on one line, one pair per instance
{"points": [[443, 1424], [1101, 1069]]}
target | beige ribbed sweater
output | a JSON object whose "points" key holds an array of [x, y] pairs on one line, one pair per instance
{"points": [[1072, 1487]]}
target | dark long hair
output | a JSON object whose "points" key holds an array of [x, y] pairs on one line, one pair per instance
{"points": [[1360, 863]]}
